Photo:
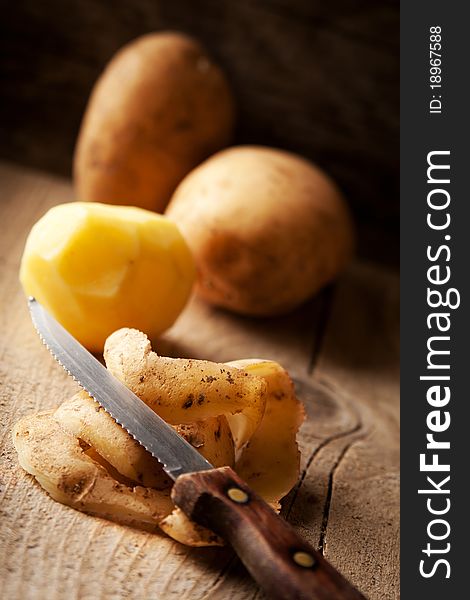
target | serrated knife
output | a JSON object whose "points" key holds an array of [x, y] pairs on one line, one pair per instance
{"points": [[284, 565]]}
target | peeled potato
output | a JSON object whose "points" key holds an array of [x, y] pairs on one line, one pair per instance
{"points": [[160, 107], [97, 268], [267, 229]]}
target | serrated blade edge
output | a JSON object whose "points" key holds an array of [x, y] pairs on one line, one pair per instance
{"points": [[175, 454]]}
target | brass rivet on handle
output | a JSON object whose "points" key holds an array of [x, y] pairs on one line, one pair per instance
{"points": [[237, 495], [304, 559]]}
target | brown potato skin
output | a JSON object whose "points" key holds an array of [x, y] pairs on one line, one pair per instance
{"points": [[267, 228], [160, 107]]}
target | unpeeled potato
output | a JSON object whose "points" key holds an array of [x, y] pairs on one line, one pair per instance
{"points": [[160, 107], [267, 229]]}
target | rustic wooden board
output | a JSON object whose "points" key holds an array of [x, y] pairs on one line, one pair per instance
{"points": [[342, 350]]}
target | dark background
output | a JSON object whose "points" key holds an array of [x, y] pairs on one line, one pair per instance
{"points": [[319, 78]]}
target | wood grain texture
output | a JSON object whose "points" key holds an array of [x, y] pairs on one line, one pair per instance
{"points": [[342, 350], [265, 543], [318, 78]]}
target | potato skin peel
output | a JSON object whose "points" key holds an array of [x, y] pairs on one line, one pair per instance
{"points": [[82, 458], [83, 418], [58, 462], [270, 461], [185, 390]]}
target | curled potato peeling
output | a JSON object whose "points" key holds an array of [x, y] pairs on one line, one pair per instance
{"points": [[59, 463], [213, 438], [84, 459], [87, 420], [185, 390], [270, 461], [180, 528], [82, 417]]}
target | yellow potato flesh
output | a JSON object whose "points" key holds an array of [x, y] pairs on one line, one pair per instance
{"points": [[270, 461], [97, 268]]}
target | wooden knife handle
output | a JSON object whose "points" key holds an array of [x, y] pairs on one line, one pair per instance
{"points": [[283, 564]]}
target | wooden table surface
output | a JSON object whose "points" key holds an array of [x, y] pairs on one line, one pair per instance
{"points": [[342, 350]]}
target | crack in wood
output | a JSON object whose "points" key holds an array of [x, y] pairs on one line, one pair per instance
{"points": [[257, 594], [326, 508], [357, 427], [329, 493], [323, 317], [319, 331], [324, 313], [233, 559], [154, 571]]}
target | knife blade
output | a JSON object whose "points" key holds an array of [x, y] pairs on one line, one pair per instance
{"points": [[175, 454], [281, 562]]}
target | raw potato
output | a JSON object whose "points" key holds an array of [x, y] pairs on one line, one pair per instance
{"points": [[97, 268], [267, 228], [86, 460], [160, 108]]}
